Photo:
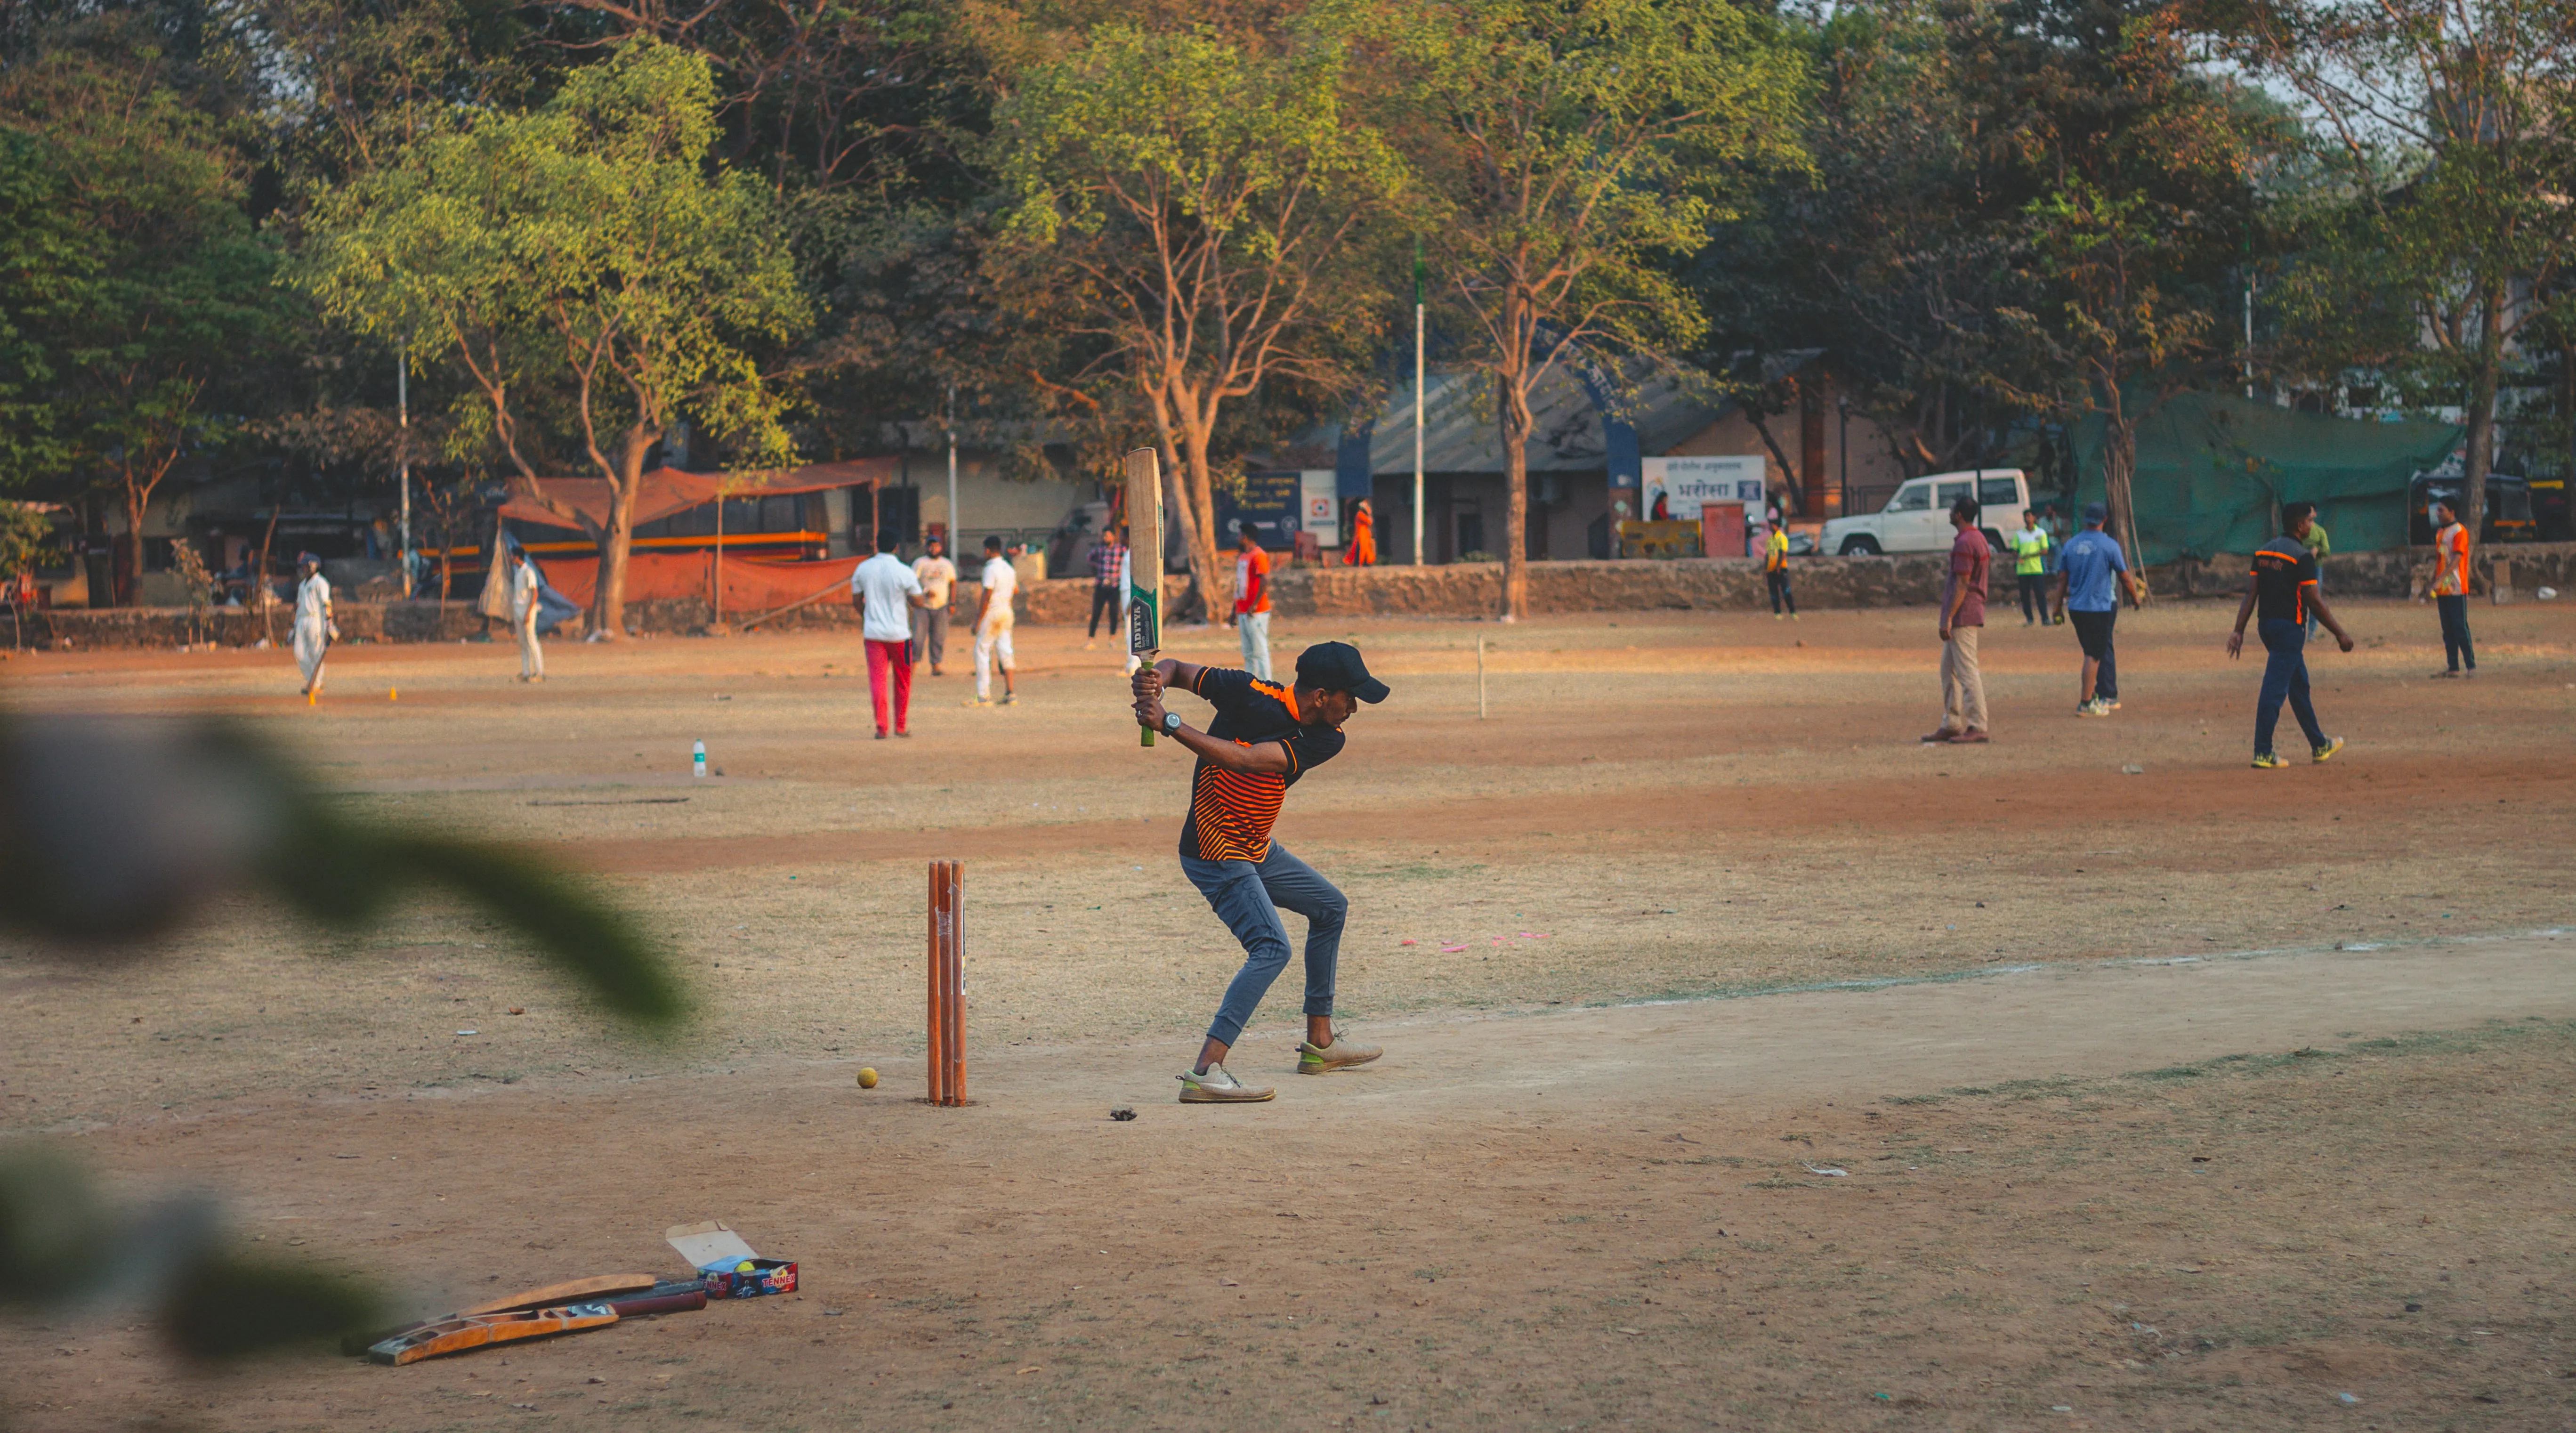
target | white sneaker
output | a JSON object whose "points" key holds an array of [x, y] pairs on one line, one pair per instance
{"points": [[1217, 1087]]}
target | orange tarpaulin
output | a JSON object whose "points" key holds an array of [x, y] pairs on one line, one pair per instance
{"points": [[665, 491], [751, 585]]}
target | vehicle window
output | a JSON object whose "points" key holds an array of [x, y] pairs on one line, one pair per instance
{"points": [[1913, 497], [1952, 492], [1997, 492]]}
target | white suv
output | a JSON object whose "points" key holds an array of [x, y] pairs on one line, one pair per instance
{"points": [[1917, 519]]}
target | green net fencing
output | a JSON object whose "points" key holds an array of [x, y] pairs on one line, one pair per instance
{"points": [[2214, 468]]}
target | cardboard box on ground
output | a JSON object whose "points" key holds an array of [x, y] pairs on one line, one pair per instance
{"points": [[731, 1269]]}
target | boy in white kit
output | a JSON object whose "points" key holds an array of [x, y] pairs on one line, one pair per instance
{"points": [[993, 621]]}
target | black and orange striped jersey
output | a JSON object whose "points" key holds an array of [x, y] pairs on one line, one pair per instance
{"points": [[2284, 570], [1231, 812]]}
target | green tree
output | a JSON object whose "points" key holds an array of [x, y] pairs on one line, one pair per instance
{"points": [[593, 275], [1578, 152], [2447, 123], [1194, 206], [140, 296], [1883, 256], [2132, 172], [2106, 335]]}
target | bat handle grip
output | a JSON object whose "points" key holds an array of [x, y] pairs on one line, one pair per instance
{"points": [[1144, 737]]}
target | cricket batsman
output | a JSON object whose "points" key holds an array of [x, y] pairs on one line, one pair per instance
{"points": [[1263, 737]]}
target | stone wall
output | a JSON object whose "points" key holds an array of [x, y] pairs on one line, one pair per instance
{"points": [[1463, 590], [2400, 574], [81, 629]]}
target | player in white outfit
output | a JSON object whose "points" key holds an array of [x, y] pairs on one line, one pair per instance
{"points": [[993, 622], [313, 626], [524, 612]]}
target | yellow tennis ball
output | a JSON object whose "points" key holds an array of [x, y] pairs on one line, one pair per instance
{"points": [[867, 1078], [743, 1268]]}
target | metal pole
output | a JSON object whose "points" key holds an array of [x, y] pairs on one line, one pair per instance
{"points": [[402, 448], [1419, 397], [957, 554]]}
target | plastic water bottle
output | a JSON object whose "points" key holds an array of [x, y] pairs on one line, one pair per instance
{"points": [[698, 759]]}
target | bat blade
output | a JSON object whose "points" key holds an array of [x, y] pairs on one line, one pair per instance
{"points": [[467, 1332], [1144, 473], [576, 1291]]}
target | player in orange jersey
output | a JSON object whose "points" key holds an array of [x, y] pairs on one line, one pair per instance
{"points": [[1263, 738], [2451, 589]]}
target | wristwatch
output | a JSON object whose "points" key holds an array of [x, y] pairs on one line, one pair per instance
{"points": [[1171, 723]]}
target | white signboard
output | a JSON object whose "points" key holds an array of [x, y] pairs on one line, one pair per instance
{"points": [[1686, 483], [1320, 506]]}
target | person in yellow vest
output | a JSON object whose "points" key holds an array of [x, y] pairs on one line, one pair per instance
{"points": [[2030, 567], [1775, 569]]}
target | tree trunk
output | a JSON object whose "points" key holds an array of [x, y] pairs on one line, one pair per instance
{"points": [[129, 578], [2484, 380], [1198, 521], [2119, 466], [1517, 423], [617, 540]]}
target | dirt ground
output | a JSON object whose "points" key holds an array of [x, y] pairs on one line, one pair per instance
{"points": [[1574, 921]]}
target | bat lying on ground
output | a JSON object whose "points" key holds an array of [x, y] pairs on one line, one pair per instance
{"points": [[472, 1331], [625, 1295]]}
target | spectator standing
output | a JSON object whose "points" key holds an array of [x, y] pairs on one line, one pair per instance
{"points": [[993, 623], [2092, 575], [524, 610], [2030, 567], [888, 593], [2283, 588], [1363, 549], [2319, 548], [2451, 590], [1662, 511], [1108, 572], [1963, 618], [938, 578], [1775, 569], [1252, 602]]}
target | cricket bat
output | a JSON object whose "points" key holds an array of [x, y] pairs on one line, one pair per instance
{"points": [[1144, 561], [605, 1287], [466, 1332]]}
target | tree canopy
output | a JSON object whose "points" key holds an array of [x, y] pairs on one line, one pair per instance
{"points": [[593, 277], [806, 231]]}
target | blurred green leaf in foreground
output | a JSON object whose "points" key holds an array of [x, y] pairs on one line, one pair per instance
{"points": [[113, 830]]}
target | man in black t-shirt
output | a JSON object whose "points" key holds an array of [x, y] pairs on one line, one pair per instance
{"points": [[2283, 586], [1263, 738]]}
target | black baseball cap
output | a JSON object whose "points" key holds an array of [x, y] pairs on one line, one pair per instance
{"points": [[1336, 667]]}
